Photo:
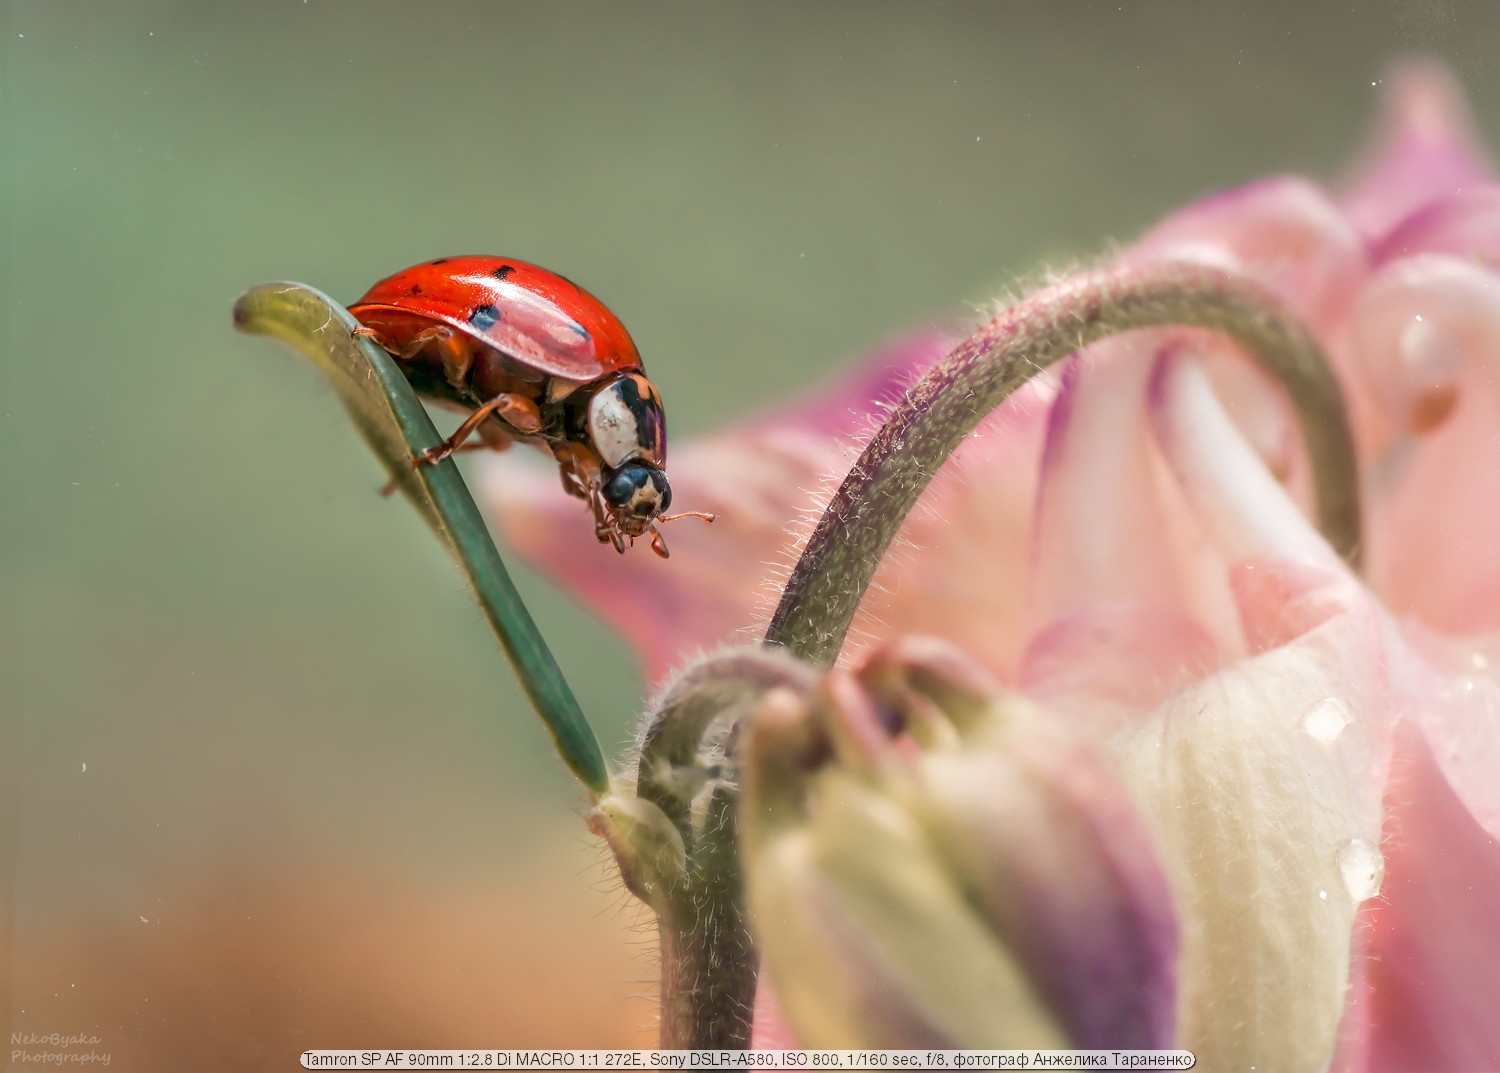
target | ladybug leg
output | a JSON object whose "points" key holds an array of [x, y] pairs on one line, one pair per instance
{"points": [[493, 436], [517, 411], [418, 341], [579, 468], [390, 485], [659, 545], [455, 352], [604, 525], [605, 528]]}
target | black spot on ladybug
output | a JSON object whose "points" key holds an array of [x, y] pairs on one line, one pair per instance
{"points": [[484, 316], [415, 289], [504, 272], [439, 261]]}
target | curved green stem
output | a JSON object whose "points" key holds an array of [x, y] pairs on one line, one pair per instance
{"points": [[389, 416], [943, 407]]}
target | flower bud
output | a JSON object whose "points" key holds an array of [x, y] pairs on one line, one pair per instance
{"points": [[981, 884]]}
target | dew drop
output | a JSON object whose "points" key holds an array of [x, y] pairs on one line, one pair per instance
{"points": [[1325, 720], [1323, 895], [1362, 867]]}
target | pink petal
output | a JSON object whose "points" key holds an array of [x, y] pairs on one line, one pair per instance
{"points": [[1243, 509], [1289, 234], [1427, 148], [1280, 600], [1435, 947], [1102, 667], [1099, 533], [1108, 588], [1466, 225], [770, 1030], [1284, 231], [1453, 690], [1435, 520], [1416, 325]]}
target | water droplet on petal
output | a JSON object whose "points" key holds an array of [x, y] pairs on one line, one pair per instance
{"points": [[1362, 867], [1323, 895], [1326, 720]]}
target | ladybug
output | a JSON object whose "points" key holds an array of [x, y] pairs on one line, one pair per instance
{"points": [[533, 357]]}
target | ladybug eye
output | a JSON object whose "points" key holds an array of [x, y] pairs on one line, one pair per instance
{"points": [[619, 489], [666, 491]]}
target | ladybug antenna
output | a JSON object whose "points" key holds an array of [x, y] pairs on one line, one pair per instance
{"points": [[659, 545], [688, 514]]}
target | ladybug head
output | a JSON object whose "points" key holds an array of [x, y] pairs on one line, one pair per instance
{"points": [[636, 493], [625, 429]]}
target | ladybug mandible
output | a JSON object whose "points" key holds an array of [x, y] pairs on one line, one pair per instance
{"points": [[533, 357]]}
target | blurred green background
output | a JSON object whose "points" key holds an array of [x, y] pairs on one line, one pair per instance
{"points": [[267, 783]]}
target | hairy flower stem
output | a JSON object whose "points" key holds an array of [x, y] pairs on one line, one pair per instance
{"points": [[944, 406], [708, 956]]}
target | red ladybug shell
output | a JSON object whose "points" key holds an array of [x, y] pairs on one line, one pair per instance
{"points": [[539, 318]]}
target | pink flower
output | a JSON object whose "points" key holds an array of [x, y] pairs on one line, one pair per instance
{"points": [[1127, 544]]}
